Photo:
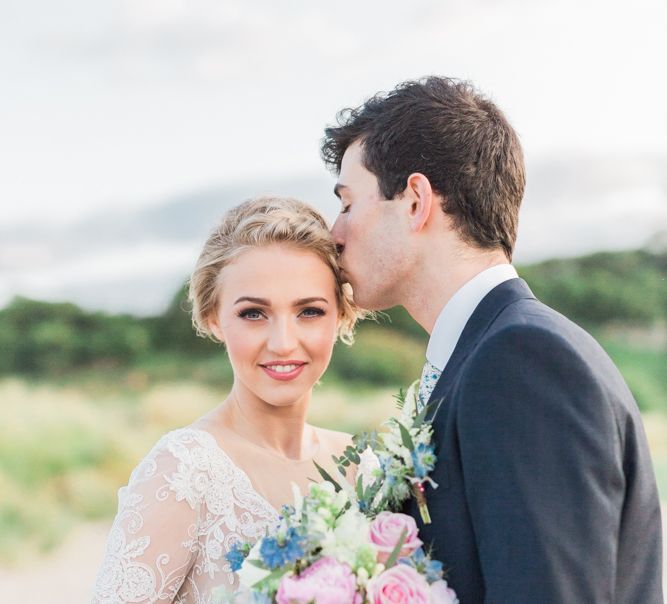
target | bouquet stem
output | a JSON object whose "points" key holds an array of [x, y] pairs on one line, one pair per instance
{"points": [[418, 491]]}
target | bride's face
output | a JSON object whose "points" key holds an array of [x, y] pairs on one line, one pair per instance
{"points": [[278, 317]]}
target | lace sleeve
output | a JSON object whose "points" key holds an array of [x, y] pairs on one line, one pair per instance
{"points": [[153, 541]]}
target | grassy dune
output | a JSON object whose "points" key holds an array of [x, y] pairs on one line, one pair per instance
{"points": [[66, 449]]}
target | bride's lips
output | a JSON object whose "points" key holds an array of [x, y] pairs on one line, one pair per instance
{"points": [[283, 371]]}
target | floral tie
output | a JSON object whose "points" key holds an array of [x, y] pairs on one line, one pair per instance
{"points": [[430, 376]]}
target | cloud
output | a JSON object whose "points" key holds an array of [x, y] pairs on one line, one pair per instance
{"points": [[120, 103]]}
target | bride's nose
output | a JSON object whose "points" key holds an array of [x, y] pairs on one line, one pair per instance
{"points": [[282, 337]]}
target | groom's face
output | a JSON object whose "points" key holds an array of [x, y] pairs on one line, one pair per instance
{"points": [[370, 233]]}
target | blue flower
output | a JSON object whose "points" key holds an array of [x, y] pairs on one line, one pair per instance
{"points": [[293, 546], [286, 511], [277, 553], [259, 597], [423, 460], [418, 555], [386, 461], [433, 571], [235, 557], [271, 553]]}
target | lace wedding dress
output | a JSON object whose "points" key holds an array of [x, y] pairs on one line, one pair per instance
{"points": [[187, 503]]}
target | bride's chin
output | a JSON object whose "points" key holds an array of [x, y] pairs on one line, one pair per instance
{"points": [[288, 400]]}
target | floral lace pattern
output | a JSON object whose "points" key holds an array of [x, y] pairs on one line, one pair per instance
{"points": [[184, 507]]}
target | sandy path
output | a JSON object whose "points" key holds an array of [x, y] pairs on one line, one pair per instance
{"points": [[64, 577], [67, 576]]}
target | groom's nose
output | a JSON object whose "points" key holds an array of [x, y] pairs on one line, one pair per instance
{"points": [[337, 234]]}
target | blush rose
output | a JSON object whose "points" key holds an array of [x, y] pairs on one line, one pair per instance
{"points": [[401, 584], [327, 581], [386, 530]]}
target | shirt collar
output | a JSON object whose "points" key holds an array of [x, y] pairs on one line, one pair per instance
{"points": [[454, 316]]}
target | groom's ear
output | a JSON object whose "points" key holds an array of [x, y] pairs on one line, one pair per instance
{"points": [[419, 194]]}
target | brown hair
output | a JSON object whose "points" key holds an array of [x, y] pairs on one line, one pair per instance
{"points": [[257, 223], [449, 132]]}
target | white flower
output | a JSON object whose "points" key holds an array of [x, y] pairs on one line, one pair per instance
{"points": [[317, 524], [298, 499], [410, 404], [350, 536], [249, 574]]}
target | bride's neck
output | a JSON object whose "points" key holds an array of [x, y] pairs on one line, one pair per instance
{"points": [[281, 430]]}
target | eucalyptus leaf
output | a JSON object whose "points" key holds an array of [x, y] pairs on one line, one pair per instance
{"points": [[324, 474], [391, 561], [405, 437], [360, 488]]}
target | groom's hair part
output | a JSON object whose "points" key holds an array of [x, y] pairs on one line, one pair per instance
{"points": [[446, 130], [258, 223]]}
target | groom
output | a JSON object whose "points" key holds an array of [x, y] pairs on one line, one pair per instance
{"points": [[546, 491]]}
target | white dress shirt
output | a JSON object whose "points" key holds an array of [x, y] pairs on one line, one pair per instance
{"points": [[454, 316]]}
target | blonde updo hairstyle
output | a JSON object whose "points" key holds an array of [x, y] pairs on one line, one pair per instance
{"points": [[258, 223]]}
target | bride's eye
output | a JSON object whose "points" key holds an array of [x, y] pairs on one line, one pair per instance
{"points": [[311, 312], [251, 314]]}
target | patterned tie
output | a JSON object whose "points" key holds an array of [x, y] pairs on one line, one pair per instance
{"points": [[430, 376]]}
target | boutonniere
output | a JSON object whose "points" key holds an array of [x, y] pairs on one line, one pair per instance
{"points": [[405, 457]]}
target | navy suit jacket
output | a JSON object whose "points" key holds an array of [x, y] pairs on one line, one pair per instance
{"points": [[546, 489]]}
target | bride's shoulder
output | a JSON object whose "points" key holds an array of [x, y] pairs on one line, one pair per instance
{"points": [[186, 461], [180, 442], [181, 448], [334, 440]]}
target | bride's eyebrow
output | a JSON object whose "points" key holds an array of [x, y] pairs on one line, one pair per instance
{"points": [[265, 302], [258, 301], [304, 301]]}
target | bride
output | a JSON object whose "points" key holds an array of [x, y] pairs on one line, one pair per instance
{"points": [[267, 286]]}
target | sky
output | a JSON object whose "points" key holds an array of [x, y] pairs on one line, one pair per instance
{"points": [[110, 109], [118, 104]]}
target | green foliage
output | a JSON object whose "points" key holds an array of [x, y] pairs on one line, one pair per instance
{"points": [[173, 330], [603, 288], [398, 319], [44, 338], [644, 370], [379, 357]]}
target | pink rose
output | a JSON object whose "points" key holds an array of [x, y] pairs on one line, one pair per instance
{"points": [[386, 530], [441, 593], [327, 581], [401, 584]]}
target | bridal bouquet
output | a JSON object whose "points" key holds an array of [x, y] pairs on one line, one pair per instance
{"points": [[327, 551]]}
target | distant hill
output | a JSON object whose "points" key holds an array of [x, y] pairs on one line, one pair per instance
{"points": [[599, 290], [605, 288]]}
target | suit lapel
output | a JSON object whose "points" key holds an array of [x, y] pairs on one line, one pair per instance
{"points": [[484, 315]]}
